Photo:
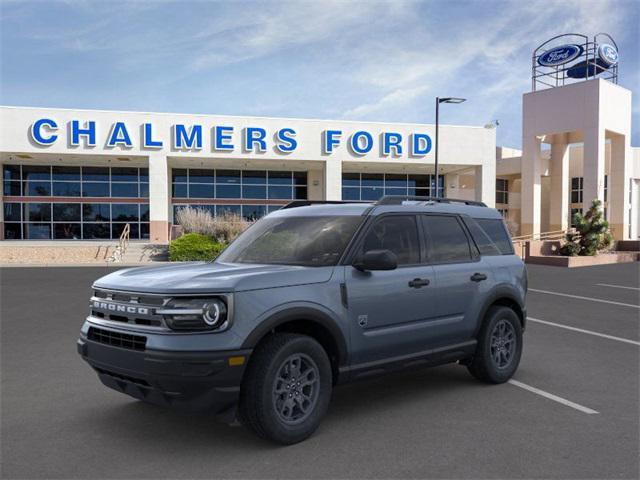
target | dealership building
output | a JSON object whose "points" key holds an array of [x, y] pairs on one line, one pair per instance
{"points": [[86, 174], [83, 174]]}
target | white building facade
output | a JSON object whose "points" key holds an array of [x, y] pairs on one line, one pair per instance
{"points": [[85, 174]]}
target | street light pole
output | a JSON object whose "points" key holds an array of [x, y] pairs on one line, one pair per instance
{"points": [[438, 102], [437, 142]]}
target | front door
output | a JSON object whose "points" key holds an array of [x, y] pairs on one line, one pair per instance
{"points": [[389, 311]]}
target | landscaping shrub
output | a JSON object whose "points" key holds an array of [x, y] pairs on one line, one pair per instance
{"points": [[591, 235], [194, 247], [224, 228]]}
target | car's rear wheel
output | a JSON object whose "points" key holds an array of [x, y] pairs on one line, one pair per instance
{"points": [[499, 346], [286, 389]]}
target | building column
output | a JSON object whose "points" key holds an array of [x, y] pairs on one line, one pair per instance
{"points": [[315, 189], [485, 183], [452, 185], [593, 167], [559, 195], [159, 198], [531, 186], [618, 187], [333, 179]]}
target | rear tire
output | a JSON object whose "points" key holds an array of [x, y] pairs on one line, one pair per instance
{"points": [[499, 346], [286, 389]]}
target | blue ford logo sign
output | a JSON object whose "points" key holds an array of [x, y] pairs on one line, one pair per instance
{"points": [[608, 54], [560, 55]]}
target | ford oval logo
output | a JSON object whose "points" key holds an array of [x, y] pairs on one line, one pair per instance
{"points": [[608, 54], [560, 55]]}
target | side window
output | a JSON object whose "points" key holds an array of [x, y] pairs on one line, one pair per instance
{"points": [[480, 237], [495, 229], [398, 234], [448, 242]]}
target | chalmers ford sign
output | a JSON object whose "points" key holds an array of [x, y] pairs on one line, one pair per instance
{"points": [[222, 138]]}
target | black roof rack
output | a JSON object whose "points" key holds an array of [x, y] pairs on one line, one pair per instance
{"points": [[398, 199], [306, 203]]}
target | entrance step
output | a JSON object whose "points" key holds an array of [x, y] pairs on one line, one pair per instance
{"points": [[145, 252]]}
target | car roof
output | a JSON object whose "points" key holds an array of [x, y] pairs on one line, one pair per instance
{"points": [[363, 208]]}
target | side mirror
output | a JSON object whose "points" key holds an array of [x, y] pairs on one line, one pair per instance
{"points": [[376, 260]]}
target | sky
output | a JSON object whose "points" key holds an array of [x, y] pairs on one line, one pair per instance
{"points": [[344, 60]]}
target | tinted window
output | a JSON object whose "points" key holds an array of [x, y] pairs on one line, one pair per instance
{"points": [[447, 240], [481, 239], [398, 234], [497, 232]]}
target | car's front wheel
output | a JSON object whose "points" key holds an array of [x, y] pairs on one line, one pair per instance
{"points": [[286, 389], [499, 346]]}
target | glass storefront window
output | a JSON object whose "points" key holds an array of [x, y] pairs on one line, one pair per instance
{"points": [[96, 212], [226, 184], [373, 186], [66, 189], [66, 212], [66, 173]]}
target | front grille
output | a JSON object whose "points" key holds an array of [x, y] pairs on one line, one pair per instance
{"points": [[128, 308], [117, 339]]}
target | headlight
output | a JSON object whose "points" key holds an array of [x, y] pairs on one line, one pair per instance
{"points": [[196, 314]]}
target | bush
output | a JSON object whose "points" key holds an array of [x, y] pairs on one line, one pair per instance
{"points": [[224, 228], [193, 247], [591, 235]]}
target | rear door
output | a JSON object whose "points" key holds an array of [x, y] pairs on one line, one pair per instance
{"points": [[462, 277], [390, 311]]}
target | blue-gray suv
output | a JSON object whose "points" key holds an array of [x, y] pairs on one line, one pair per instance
{"points": [[310, 296]]}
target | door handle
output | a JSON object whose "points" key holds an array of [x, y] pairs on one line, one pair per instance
{"points": [[419, 282], [478, 277]]}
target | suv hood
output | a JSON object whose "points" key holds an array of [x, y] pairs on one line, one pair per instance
{"points": [[204, 277]]}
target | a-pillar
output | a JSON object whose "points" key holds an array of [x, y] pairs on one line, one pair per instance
{"points": [[593, 167], [559, 206], [531, 186], [618, 188], [159, 198], [333, 179], [485, 183]]}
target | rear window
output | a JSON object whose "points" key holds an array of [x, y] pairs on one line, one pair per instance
{"points": [[497, 232]]}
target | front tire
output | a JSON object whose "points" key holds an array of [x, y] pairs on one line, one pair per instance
{"points": [[286, 389], [499, 346]]}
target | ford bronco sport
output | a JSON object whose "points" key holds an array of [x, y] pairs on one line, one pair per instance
{"points": [[310, 296]]}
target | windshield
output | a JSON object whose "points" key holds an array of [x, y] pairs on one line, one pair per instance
{"points": [[305, 241]]}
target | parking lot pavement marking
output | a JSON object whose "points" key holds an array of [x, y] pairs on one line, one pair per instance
{"points": [[616, 286], [589, 332], [553, 397], [601, 300]]}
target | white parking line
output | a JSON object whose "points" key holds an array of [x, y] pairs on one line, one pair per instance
{"points": [[553, 397], [589, 332], [616, 286], [585, 298]]}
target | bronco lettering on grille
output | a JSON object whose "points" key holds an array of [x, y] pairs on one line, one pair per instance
{"points": [[115, 307]]}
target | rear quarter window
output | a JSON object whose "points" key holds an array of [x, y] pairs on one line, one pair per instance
{"points": [[497, 232]]}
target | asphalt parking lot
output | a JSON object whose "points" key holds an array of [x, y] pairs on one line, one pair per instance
{"points": [[572, 411]]}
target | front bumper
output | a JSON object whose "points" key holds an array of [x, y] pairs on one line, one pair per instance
{"points": [[190, 380]]}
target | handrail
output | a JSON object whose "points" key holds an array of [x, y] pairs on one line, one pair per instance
{"points": [[551, 235], [123, 243]]}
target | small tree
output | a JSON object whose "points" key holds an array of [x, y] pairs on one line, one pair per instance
{"points": [[591, 235]]}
